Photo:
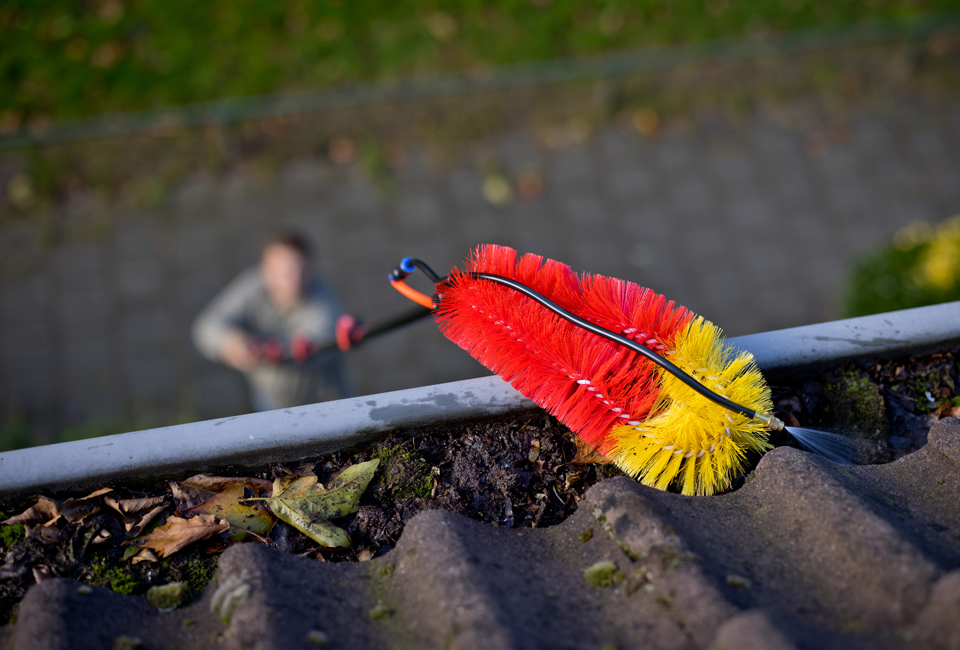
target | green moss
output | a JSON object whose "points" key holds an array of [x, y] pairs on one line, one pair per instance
{"points": [[586, 535], [127, 643], [107, 573], [168, 597], [603, 574], [380, 612], [194, 571], [10, 535], [402, 475], [852, 400]]}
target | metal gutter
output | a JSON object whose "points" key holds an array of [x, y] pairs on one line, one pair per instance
{"points": [[253, 439], [290, 434], [805, 350]]}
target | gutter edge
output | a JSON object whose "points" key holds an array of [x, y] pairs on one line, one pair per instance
{"points": [[316, 429]]}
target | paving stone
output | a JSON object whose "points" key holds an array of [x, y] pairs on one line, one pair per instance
{"points": [[79, 266], [83, 313], [196, 244], [87, 361], [25, 301], [220, 393], [464, 187], [146, 327], [691, 195], [572, 166], [137, 237], [419, 211], [584, 211], [149, 375], [199, 194], [724, 217], [516, 153], [139, 280]]}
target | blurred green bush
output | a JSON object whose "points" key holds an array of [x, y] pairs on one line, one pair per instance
{"points": [[920, 267]]}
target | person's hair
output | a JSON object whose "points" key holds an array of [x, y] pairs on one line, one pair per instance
{"points": [[290, 239]]}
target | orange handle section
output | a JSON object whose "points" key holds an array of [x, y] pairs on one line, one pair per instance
{"points": [[412, 294]]}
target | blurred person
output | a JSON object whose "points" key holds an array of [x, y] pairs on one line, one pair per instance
{"points": [[269, 324]]}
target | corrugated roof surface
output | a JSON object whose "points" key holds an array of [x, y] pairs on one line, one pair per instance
{"points": [[807, 554]]}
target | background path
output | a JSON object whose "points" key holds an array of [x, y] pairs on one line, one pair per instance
{"points": [[751, 225]]}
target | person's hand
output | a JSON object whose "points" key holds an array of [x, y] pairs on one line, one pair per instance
{"points": [[237, 352], [349, 332]]}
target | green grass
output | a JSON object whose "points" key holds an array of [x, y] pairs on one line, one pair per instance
{"points": [[63, 59]]}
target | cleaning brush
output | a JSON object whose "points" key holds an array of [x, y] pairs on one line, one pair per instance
{"points": [[644, 380]]}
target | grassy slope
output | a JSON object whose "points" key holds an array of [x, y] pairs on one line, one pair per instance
{"points": [[66, 58]]}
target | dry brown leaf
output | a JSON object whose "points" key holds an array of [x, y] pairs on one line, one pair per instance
{"points": [[44, 511], [252, 517], [132, 506], [134, 519], [101, 537], [948, 410], [199, 489], [534, 451], [134, 528], [218, 483], [587, 454], [188, 496], [76, 510], [145, 555], [42, 572], [179, 532]]}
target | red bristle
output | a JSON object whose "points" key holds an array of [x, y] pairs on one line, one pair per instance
{"points": [[542, 355]]}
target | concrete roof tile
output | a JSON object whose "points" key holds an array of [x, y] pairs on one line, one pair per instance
{"points": [[806, 554]]}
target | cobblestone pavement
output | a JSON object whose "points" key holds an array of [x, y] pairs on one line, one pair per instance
{"points": [[751, 225]]}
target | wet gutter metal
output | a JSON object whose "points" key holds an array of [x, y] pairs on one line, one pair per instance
{"points": [[312, 430]]}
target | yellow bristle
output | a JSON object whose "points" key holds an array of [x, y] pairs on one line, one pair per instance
{"points": [[686, 421]]}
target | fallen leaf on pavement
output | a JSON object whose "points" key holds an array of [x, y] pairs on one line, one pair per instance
{"points": [[178, 532]]}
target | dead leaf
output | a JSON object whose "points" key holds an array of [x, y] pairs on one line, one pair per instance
{"points": [[534, 451], [218, 483], [307, 506], [587, 454], [135, 528], [178, 532], [948, 410], [133, 521], [132, 506], [188, 496], [227, 505], [44, 511], [145, 555], [76, 510], [41, 573], [197, 489]]}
